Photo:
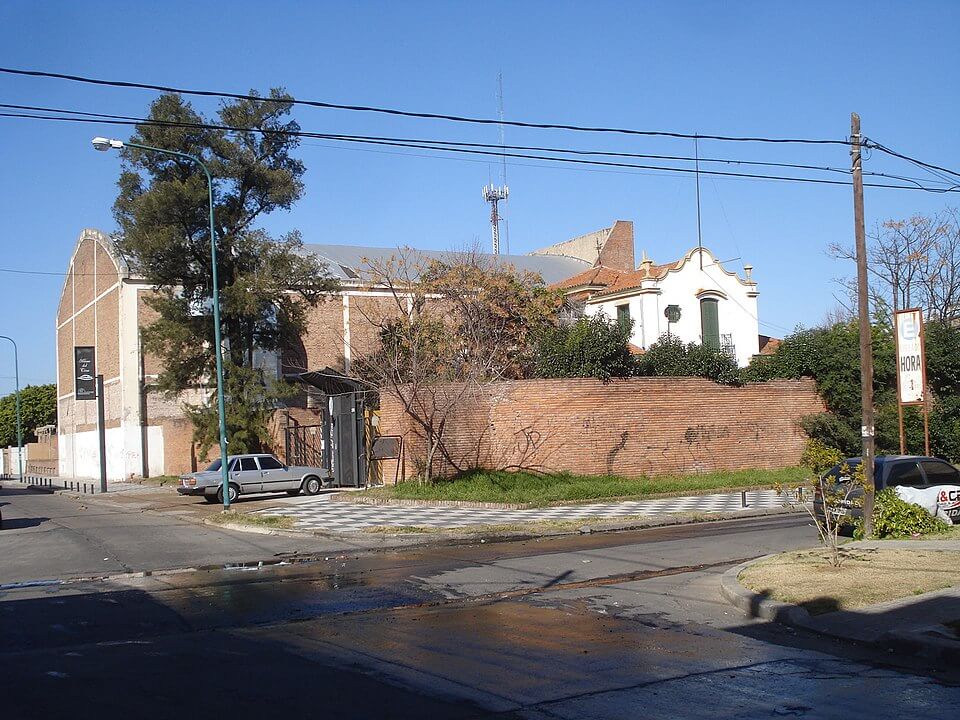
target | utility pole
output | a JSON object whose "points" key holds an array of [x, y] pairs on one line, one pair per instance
{"points": [[863, 309]]}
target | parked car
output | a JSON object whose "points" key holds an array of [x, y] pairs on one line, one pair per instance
{"points": [[889, 471], [254, 473]]}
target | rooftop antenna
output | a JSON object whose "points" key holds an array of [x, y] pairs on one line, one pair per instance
{"points": [[696, 156], [503, 157], [493, 195]]}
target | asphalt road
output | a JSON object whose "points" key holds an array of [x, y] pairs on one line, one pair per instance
{"points": [[624, 625], [55, 536]]}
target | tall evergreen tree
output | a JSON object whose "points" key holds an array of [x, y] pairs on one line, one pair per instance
{"points": [[266, 284]]}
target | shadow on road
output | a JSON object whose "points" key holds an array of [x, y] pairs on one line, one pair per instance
{"points": [[21, 523], [57, 652]]}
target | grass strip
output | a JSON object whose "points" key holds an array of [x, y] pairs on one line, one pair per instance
{"points": [[548, 489], [866, 577], [272, 522]]}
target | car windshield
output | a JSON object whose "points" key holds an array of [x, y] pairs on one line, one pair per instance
{"points": [[215, 465]]}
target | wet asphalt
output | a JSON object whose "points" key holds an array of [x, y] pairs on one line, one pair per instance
{"points": [[625, 625]]}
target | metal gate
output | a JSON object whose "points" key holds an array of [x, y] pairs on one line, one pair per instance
{"points": [[308, 445], [338, 441]]}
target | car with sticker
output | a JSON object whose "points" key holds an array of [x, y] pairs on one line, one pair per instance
{"points": [[920, 479]]}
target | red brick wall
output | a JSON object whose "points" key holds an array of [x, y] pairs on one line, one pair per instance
{"points": [[617, 252], [638, 426]]}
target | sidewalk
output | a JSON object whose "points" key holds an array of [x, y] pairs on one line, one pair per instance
{"points": [[914, 625], [321, 514]]}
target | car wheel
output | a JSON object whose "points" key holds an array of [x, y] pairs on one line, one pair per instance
{"points": [[293, 492], [311, 485], [234, 493]]}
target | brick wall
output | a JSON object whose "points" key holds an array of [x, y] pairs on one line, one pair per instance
{"points": [[638, 426], [617, 251]]}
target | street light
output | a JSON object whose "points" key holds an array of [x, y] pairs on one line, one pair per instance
{"points": [[104, 144], [16, 376]]}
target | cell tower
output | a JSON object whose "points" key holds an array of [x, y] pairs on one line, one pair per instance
{"points": [[493, 195]]}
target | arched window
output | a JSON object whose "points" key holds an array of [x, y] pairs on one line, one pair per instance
{"points": [[710, 322]]}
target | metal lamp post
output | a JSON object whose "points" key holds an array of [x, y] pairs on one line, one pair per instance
{"points": [[16, 376], [104, 144]]}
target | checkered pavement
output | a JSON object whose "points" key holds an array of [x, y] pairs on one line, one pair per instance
{"points": [[321, 514]]}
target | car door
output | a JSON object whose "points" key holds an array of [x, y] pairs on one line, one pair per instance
{"points": [[247, 475], [275, 476], [944, 479], [903, 473]]}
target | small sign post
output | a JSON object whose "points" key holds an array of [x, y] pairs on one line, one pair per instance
{"points": [[911, 370], [85, 373], [89, 386]]}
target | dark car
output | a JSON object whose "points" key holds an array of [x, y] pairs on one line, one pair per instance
{"points": [[889, 471]]}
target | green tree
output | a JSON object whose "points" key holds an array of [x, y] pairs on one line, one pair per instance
{"points": [[38, 407], [265, 282], [593, 346], [830, 355], [452, 329]]}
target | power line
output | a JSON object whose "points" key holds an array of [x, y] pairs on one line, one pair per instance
{"points": [[435, 145], [58, 274], [919, 163], [405, 113], [501, 146]]}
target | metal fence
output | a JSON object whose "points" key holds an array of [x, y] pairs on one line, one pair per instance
{"points": [[88, 487]]}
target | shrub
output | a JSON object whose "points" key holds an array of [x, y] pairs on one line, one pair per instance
{"points": [[671, 357], [820, 457], [896, 518], [831, 431], [593, 346]]}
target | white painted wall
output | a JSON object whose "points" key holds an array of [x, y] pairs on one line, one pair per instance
{"points": [[685, 286], [79, 453]]}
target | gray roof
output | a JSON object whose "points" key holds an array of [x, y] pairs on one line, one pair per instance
{"points": [[346, 262]]}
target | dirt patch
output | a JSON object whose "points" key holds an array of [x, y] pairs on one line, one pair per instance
{"points": [[866, 577], [269, 522]]}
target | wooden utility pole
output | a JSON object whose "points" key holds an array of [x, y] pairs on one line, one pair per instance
{"points": [[863, 309]]}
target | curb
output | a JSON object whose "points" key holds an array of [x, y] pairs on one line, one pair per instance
{"points": [[758, 605]]}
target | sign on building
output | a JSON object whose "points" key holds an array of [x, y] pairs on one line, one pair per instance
{"points": [[85, 373]]}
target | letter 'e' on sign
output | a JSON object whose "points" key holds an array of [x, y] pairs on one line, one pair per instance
{"points": [[85, 373], [911, 376]]}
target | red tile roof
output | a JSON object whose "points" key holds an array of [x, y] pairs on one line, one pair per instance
{"points": [[769, 345], [594, 276]]}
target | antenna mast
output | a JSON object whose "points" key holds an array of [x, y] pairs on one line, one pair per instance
{"points": [[493, 195], [696, 154]]}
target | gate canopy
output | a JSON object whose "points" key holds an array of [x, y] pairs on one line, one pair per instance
{"points": [[330, 381]]}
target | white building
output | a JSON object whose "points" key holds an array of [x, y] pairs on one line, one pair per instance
{"points": [[694, 298]]}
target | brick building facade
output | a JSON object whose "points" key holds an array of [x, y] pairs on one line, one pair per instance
{"points": [[103, 305]]}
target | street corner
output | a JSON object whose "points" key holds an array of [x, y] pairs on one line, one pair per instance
{"points": [[920, 624], [759, 605]]}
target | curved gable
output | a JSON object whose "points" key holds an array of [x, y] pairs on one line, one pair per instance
{"points": [[94, 267]]}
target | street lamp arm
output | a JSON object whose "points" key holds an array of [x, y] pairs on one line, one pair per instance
{"points": [[106, 144]]}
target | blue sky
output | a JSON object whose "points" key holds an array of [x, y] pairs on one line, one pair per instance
{"points": [[739, 68]]}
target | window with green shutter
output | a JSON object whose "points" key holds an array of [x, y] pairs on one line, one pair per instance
{"points": [[623, 314], [710, 322]]}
